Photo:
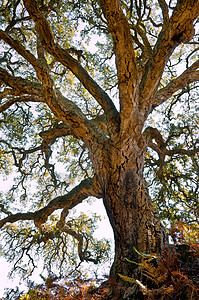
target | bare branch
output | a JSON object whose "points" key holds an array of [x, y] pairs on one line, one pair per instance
{"points": [[156, 142], [86, 188], [160, 146], [78, 237], [21, 90], [23, 152], [83, 254], [16, 217], [67, 110], [146, 47], [20, 49]]}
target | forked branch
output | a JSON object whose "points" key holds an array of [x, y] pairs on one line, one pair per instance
{"points": [[179, 30], [67, 110]]}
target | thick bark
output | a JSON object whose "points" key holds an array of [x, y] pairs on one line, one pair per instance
{"points": [[134, 219], [136, 225]]}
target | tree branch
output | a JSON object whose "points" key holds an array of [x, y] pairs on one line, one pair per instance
{"points": [[188, 152], [188, 76], [84, 255], [86, 188], [58, 130], [160, 146], [15, 44], [151, 133], [146, 47], [67, 110], [62, 55], [12, 101], [21, 150], [101, 122], [179, 30], [165, 11], [20, 85], [124, 52]]}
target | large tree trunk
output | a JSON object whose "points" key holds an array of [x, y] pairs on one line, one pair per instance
{"points": [[135, 223], [132, 215]]}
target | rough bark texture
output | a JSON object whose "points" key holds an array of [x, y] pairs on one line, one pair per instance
{"points": [[135, 223], [134, 219]]}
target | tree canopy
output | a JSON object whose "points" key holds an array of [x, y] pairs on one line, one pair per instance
{"points": [[82, 82]]}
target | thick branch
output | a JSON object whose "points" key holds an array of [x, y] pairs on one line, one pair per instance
{"points": [[151, 133], [86, 188], [188, 152], [57, 131], [40, 52], [62, 55], [62, 129], [71, 114], [124, 52], [179, 30], [101, 122], [17, 217]]}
